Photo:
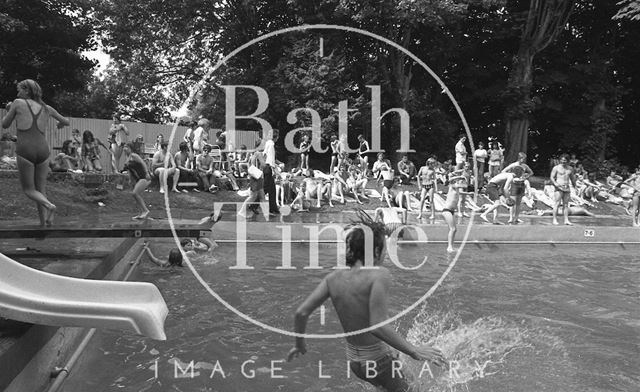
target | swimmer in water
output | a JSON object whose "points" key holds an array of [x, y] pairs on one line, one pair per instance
{"points": [[360, 297], [457, 187], [191, 248], [562, 175]]}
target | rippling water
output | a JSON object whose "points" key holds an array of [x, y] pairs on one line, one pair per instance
{"points": [[509, 318]]}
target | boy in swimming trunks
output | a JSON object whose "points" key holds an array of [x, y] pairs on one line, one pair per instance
{"points": [[457, 187], [562, 176], [498, 191], [360, 297], [517, 191], [140, 178], [386, 175], [634, 182], [158, 168]]}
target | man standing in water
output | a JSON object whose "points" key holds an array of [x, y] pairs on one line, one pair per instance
{"points": [[561, 176], [360, 297]]}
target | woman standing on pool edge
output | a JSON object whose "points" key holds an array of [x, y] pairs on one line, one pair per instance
{"points": [[32, 151], [140, 178]]}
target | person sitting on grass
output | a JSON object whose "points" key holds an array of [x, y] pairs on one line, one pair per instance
{"points": [[139, 174], [64, 161], [357, 182], [318, 185], [91, 152], [300, 204], [340, 186]]}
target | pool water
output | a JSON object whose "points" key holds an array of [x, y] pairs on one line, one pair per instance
{"points": [[509, 318]]}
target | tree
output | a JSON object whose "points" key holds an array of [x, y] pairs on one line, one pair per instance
{"points": [[43, 40], [545, 20], [630, 9]]}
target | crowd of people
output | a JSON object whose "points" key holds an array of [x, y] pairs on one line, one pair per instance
{"points": [[210, 165]]}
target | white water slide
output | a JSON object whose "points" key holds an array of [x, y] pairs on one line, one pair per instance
{"points": [[37, 297]]}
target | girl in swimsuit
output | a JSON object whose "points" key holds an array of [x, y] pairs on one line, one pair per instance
{"points": [[363, 150], [32, 116], [140, 179], [334, 152], [118, 134], [305, 145], [91, 152]]}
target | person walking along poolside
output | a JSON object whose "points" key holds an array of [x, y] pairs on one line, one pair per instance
{"points": [[32, 150]]}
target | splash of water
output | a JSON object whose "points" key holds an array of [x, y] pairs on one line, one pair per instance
{"points": [[474, 350]]}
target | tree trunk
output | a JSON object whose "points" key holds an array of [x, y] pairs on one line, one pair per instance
{"points": [[520, 106], [598, 111], [545, 20]]}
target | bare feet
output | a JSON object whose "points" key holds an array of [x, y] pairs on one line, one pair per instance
{"points": [[450, 249], [419, 216], [568, 223], [48, 220], [484, 218], [161, 190], [555, 222], [175, 190]]}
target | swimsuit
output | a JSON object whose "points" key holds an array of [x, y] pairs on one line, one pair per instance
{"points": [[492, 191], [32, 145], [562, 189], [384, 376], [137, 170], [517, 188], [452, 211], [388, 184], [427, 186]]}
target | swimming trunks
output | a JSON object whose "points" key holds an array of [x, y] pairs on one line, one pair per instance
{"points": [[562, 189], [388, 184], [428, 186], [32, 144], [361, 358], [492, 191], [449, 210], [517, 188]]}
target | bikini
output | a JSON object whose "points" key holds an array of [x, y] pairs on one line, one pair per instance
{"points": [[32, 144]]}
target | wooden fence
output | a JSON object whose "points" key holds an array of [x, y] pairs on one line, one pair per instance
{"points": [[100, 129]]}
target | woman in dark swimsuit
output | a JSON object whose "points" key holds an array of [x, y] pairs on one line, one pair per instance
{"points": [[32, 117], [363, 151], [140, 178]]}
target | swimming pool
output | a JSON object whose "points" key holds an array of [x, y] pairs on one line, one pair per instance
{"points": [[512, 318]]}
